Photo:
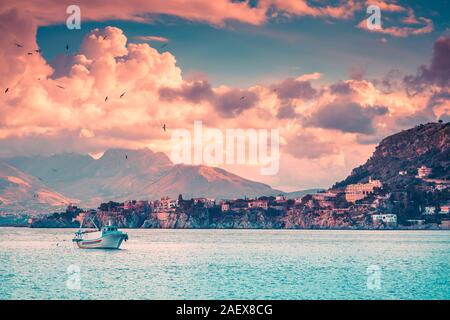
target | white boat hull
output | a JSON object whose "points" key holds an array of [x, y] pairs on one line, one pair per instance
{"points": [[108, 241]]}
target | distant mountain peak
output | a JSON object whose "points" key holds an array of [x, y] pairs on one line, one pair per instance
{"points": [[133, 154], [121, 174]]}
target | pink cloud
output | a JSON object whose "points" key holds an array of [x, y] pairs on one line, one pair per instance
{"points": [[215, 12], [402, 31], [37, 116], [385, 6], [152, 38], [344, 10]]}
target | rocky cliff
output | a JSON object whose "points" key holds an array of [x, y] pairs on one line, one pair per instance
{"points": [[407, 150]]}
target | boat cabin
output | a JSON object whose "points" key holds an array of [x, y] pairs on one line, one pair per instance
{"points": [[109, 228]]}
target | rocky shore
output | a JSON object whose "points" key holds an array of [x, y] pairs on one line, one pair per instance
{"points": [[209, 219]]}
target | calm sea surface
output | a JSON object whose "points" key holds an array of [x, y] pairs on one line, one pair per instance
{"points": [[228, 264]]}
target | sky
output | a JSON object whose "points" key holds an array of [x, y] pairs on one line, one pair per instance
{"points": [[311, 69]]}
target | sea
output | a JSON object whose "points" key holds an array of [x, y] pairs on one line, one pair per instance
{"points": [[227, 264]]}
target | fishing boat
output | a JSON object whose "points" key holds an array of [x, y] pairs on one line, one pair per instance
{"points": [[106, 237]]}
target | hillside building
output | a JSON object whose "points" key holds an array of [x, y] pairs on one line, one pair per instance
{"points": [[424, 172], [358, 191]]}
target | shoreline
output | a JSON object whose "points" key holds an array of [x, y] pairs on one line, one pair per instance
{"points": [[269, 229]]}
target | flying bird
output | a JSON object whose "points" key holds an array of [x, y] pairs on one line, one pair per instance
{"points": [[106, 98], [67, 47], [18, 45], [122, 94], [6, 90], [104, 38], [30, 53], [60, 86], [126, 157], [164, 127], [37, 50]]}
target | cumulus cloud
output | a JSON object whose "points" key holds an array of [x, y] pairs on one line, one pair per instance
{"points": [[195, 92], [308, 145], [227, 102], [346, 117], [421, 116], [295, 89], [390, 82], [235, 101], [437, 73], [315, 122], [341, 88], [44, 101], [286, 112]]}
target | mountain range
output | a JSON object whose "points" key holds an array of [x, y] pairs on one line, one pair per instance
{"points": [[21, 192], [119, 174], [42, 183]]}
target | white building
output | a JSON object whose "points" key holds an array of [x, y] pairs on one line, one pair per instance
{"points": [[429, 210], [388, 218], [166, 204]]}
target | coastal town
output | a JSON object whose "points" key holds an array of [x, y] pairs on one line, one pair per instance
{"points": [[403, 185], [366, 205]]}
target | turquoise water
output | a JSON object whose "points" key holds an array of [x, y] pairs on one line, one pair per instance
{"points": [[228, 264]]}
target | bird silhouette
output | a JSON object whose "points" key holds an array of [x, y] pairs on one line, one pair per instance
{"points": [[18, 45], [67, 47], [37, 50], [164, 127], [126, 157], [106, 98], [7, 89], [104, 38], [60, 86], [30, 53], [122, 94]]}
